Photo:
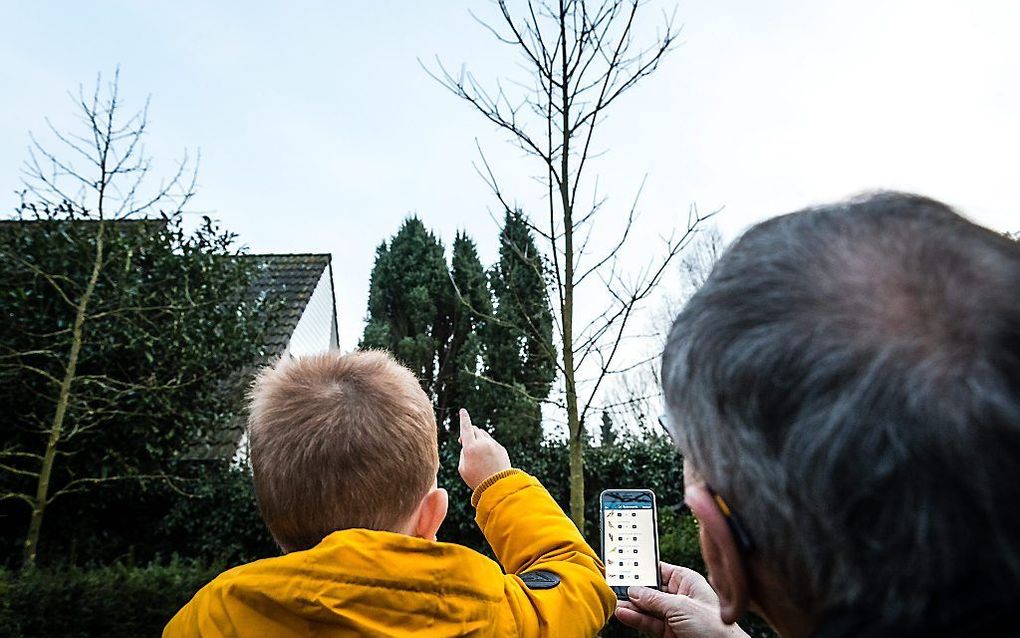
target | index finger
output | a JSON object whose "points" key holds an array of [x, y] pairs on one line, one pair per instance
{"points": [[467, 431], [683, 580], [630, 616]]}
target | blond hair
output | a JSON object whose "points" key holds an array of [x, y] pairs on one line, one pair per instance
{"points": [[338, 442]]}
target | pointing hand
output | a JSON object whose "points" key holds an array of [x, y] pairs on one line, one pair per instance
{"points": [[480, 455]]}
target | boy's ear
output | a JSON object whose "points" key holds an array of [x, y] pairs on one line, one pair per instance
{"points": [[727, 567], [431, 513]]}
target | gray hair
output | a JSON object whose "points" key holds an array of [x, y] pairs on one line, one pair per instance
{"points": [[848, 378]]}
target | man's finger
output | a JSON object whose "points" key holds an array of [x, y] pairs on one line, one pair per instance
{"points": [[655, 602], [667, 569], [691, 583], [639, 621], [467, 431]]}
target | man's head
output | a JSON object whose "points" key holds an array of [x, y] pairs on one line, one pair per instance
{"points": [[343, 441], [848, 381]]}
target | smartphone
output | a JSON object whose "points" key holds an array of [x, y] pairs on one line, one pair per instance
{"points": [[630, 539]]}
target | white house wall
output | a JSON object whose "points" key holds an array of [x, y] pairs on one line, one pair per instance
{"points": [[315, 331]]}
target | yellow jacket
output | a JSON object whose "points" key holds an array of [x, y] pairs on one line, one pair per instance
{"points": [[360, 582]]}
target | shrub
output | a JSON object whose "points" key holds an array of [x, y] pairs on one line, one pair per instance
{"points": [[212, 518], [219, 522], [117, 600]]}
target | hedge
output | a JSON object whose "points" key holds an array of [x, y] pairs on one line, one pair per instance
{"points": [[116, 600]]}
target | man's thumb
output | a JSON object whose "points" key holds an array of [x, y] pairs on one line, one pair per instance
{"points": [[656, 602]]}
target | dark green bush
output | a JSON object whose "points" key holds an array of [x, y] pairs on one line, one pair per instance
{"points": [[678, 540], [646, 463], [122, 601], [210, 517], [219, 522], [106, 601]]}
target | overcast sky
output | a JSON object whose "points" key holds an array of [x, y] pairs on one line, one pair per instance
{"points": [[319, 131]]}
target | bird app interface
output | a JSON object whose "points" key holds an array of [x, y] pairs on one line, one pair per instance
{"points": [[629, 539]]}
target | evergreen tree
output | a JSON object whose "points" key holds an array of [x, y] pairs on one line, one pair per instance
{"points": [[518, 351], [608, 432], [411, 301], [482, 342], [461, 385]]}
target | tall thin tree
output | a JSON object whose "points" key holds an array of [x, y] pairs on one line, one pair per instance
{"points": [[463, 361], [409, 300], [520, 364], [580, 57]]}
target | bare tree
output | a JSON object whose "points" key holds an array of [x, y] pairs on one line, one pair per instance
{"points": [[635, 396], [98, 176], [580, 57]]}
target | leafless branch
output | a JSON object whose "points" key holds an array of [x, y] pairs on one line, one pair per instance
{"points": [[581, 57]]}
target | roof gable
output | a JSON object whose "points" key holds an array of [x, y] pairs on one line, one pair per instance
{"points": [[291, 278]]}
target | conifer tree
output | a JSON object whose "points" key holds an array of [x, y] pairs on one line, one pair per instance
{"points": [[608, 430], [461, 385], [411, 301], [519, 360], [475, 340]]}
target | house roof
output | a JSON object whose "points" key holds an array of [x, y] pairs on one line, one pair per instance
{"points": [[288, 277], [292, 278]]}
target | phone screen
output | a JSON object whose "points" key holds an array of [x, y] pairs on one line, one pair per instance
{"points": [[630, 543]]}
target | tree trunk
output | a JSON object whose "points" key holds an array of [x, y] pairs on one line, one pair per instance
{"points": [[41, 499], [576, 441], [576, 451]]}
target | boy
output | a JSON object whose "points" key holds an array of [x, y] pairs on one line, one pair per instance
{"points": [[344, 459]]}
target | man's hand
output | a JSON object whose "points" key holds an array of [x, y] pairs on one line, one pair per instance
{"points": [[481, 456], [690, 608]]}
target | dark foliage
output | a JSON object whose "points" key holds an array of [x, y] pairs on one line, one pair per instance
{"points": [[474, 339], [520, 359], [170, 330], [410, 303], [118, 600], [462, 387], [215, 520]]}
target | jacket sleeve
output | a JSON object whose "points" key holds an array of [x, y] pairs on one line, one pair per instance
{"points": [[528, 531]]}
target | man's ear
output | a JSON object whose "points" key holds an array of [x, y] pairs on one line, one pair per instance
{"points": [[726, 564], [431, 513]]}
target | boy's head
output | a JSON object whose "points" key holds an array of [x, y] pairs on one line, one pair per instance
{"points": [[343, 441]]}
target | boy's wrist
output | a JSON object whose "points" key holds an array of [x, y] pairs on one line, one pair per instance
{"points": [[489, 482]]}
